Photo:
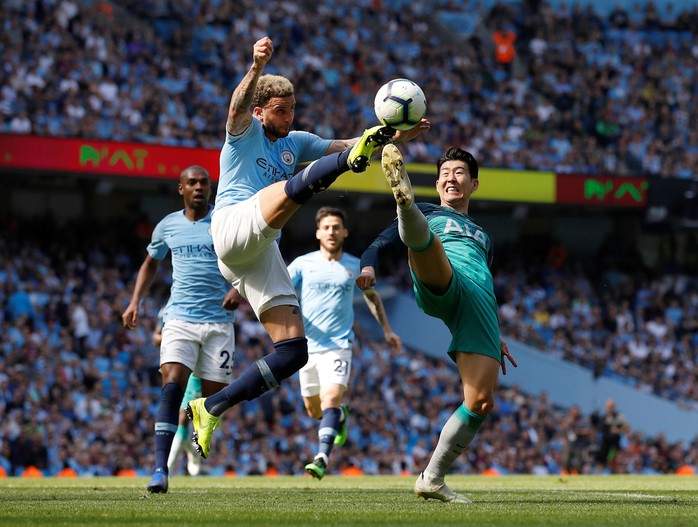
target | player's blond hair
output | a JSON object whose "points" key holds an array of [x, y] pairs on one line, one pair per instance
{"points": [[270, 86]]}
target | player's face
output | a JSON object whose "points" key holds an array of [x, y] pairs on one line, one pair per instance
{"points": [[195, 188], [331, 234], [277, 116], [454, 184]]}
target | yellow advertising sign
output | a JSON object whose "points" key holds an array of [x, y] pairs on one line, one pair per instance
{"points": [[523, 186]]}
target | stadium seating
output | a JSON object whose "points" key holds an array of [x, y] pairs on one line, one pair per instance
{"points": [[586, 99]]}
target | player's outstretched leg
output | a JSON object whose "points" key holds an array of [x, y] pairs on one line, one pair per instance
{"points": [[204, 424], [371, 140], [413, 226], [396, 175], [438, 490]]}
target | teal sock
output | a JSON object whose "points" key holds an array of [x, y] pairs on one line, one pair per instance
{"points": [[457, 434]]}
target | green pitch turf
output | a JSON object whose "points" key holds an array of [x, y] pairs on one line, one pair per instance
{"points": [[336, 501]]}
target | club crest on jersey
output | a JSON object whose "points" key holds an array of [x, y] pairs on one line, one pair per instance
{"points": [[288, 158], [350, 273]]}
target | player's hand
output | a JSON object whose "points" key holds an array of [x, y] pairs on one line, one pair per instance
{"points": [[367, 278], [402, 136], [262, 51], [505, 353], [130, 316], [232, 300], [393, 339]]}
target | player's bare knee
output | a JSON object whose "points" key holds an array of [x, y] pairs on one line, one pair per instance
{"points": [[313, 413], [483, 405]]}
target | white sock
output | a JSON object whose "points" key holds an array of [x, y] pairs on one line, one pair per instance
{"points": [[413, 228]]}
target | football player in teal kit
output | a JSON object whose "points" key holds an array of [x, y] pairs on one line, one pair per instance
{"points": [[449, 257]]}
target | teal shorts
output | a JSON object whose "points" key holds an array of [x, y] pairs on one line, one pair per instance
{"points": [[193, 390], [469, 312]]}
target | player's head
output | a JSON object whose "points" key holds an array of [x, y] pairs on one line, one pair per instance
{"points": [[274, 104], [458, 177], [195, 187], [331, 230]]}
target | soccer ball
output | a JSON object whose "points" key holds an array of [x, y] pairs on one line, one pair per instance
{"points": [[400, 103]]}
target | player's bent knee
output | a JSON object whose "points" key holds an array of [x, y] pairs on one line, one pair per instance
{"points": [[482, 405], [291, 355]]}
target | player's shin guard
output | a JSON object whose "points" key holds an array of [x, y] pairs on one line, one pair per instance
{"points": [[262, 376], [316, 177], [455, 437], [166, 422]]}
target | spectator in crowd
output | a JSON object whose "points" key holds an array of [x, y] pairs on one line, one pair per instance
{"points": [[592, 80], [611, 426]]}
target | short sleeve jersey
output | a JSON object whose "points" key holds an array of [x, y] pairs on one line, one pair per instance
{"points": [[250, 161], [467, 245], [198, 288], [326, 291]]}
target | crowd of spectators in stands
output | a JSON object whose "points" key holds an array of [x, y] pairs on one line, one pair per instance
{"points": [[579, 92], [79, 393]]}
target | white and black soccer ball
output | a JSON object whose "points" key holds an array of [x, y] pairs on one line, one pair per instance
{"points": [[400, 103]]}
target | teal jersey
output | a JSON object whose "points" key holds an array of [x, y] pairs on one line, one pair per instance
{"points": [[198, 288], [468, 307], [326, 293], [467, 245], [250, 162]]}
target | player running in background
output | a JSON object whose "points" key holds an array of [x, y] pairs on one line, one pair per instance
{"points": [[326, 283], [449, 257], [257, 194], [198, 334]]}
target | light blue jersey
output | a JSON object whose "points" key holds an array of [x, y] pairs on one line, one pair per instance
{"points": [[326, 293], [250, 162], [198, 288]]}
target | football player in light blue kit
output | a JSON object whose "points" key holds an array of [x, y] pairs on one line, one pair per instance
{"points": [[198, 334], [325, 280], [257, 194]]}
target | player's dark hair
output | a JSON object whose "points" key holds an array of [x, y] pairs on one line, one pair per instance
{"points": [[330, 211], [193, 168], [458, 154]]}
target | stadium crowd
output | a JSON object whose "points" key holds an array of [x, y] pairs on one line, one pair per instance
{"points": [[573, 91], [78, 393]]}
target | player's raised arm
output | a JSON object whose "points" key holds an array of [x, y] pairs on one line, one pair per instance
{"points": [[239, 115]]}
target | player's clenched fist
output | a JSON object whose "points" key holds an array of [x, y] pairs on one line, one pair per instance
{"points": [[262, 51]]}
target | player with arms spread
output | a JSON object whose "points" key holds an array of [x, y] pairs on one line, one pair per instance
{"points": [[198, 333], [326, 281], [449, 257], [257, 194]]}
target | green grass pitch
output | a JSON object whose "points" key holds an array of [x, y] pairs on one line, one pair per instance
{"points": [[341, 501]]}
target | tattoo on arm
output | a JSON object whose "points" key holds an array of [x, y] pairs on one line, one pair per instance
{"points": [[239, 116]]}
